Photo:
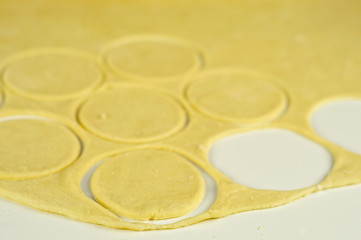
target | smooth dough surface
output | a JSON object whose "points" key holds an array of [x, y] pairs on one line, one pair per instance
{"points": [[32, 147], [152, 58], [52, 75], [236, 97], [132, 114], [143, 84], [148, 184]]}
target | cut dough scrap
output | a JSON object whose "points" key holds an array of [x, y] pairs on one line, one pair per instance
{"points": [[35, 147], [52, 75], [148, 184], [132, 114], [233, 96], [152, 58]]}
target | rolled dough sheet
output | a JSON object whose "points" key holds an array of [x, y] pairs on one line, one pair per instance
{"points": [[140, 90]]}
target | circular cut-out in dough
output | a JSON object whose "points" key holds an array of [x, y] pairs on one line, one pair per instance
{"points": [[52, 74], [153, 58], [132, 114], [339, 121], [32, 146], [234, 96], [148, 184], [271, 159]]}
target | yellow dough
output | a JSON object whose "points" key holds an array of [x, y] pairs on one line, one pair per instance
{"points": [[52, 74], [138, 91], [148, 184], [152, 58], [128, 114], [236, 97], [1, 97], [31, 147]]}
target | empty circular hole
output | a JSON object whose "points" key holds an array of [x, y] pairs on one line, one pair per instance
{"points": [[340, 123], [272, 159]]}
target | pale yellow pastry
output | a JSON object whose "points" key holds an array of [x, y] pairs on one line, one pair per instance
{"points": [[236, 96], [148, 184], [140, 91], [33, 147], [132, 114], [152, 58], [51, 74]]}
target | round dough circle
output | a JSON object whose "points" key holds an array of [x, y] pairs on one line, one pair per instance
{"points": [[52, 75], [236, 97], [148, 184], [152, 58], [132, 114], [34, 147]]}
